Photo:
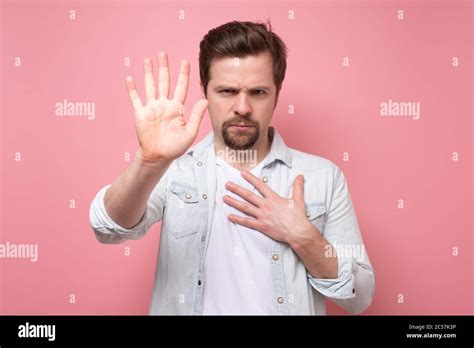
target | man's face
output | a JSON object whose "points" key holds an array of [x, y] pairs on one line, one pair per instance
{"points": [[242, 96]]}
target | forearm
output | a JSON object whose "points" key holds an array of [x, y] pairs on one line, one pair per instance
{"points": [[316, 253], [125, 200]]}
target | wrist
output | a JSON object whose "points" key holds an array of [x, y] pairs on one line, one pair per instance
{"points": [[153, 165], [146, 162], [304, 238]]}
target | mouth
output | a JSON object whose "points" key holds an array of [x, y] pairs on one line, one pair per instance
{"points": [[241, 126]]}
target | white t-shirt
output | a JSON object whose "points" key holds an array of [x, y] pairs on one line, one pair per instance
{"points": [[237, 274]]}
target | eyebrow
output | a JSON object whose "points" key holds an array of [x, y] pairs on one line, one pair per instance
{"points": [[230, 87]]}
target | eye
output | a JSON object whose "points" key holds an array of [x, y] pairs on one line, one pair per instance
{"points": [[226, 91], [258, 92]]}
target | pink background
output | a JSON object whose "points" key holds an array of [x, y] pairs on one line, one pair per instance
{"points": [[336, 111]]}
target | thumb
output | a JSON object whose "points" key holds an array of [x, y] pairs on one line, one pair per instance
{"points": [[298, 189], [197, 113]]}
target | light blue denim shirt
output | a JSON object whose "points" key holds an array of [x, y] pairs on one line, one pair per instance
{"points": [[184, 201]]}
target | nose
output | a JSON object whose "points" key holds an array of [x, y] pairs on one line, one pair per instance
{"points": [[242, 105]]}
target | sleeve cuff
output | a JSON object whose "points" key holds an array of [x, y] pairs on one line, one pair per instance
{"points": [[341, 287], [104, 223]]}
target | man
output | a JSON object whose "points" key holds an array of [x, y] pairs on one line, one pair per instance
{"points": [[256, 235]]}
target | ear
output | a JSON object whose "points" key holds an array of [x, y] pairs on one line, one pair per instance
{"points": [[203, 95]]}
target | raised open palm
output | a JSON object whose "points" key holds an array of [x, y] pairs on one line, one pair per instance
{"points": [[162, 131]]}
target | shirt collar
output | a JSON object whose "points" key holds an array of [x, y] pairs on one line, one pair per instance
{"points": [[278, 150]]}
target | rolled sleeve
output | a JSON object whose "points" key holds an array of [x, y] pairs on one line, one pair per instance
{"points": [[107, 231], [341, 287], [353, 289]]}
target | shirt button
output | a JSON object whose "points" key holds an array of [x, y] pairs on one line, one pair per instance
{"points": [[353, 291], [204, 196], [203, 239], [187, 195], [275, 257], [199, 282], [308, 214], [265, 179], [280, 300], [199, 163]]}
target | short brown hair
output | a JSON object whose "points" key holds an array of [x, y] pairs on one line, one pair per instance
{"points": [[240, 39]]}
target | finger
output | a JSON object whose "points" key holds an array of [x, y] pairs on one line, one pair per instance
{"points": [[150, 89], [249, 196], [298, 189], [133, 94], [181, 89], [242, 206], [164, 76], [244, 221], [197, 113], [257, 183]]}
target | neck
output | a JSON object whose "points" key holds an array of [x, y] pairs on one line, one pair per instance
{"points": [[244, 159]]}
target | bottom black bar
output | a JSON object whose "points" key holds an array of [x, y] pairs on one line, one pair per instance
{"points": [[315, 330]]}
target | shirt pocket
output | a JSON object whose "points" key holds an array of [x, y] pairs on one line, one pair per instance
{"points": [[316, 213], [183, 209]]}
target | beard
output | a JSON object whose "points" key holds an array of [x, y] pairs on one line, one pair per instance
{"points": [[240, 139]]}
